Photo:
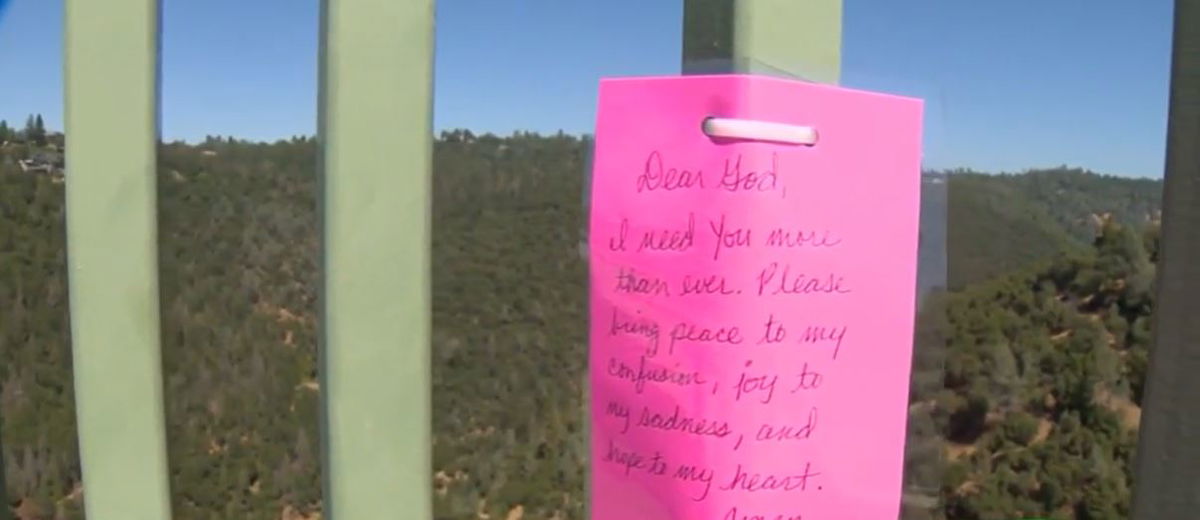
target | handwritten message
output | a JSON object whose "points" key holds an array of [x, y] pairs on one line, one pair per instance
{"points": [[751, 303]]}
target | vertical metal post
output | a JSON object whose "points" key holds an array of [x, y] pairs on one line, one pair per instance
{"points": [[778, 37], [112, 127], [5, 514], [803, 40], [376, 136], [1167, 478]]}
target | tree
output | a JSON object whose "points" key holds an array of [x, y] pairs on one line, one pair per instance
{"points": [[30, 128], [966, 423], [35, 130], [1019, 428], [39, 131]]}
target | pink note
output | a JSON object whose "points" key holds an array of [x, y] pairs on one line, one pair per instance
{"points": [[752, 303]]}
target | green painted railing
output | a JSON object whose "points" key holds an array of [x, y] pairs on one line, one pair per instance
{"points": [[112, 120], [375, 136]]}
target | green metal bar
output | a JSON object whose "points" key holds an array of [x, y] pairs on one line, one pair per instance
{"points": [[775, 37], [1167, 477], [376, 134], [5, 514], [111, 92], [803, 40]]}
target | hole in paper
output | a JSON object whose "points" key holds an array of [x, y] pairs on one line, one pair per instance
{"points": [[730, 129]]}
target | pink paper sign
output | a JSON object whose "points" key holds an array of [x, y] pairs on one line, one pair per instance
{"points": [[752, 303]]}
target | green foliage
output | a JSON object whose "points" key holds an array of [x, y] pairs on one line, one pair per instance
{"points": [[1000, 223], [35, 130], [1046, 338], [1080, 333], [1019, 428], [992, 230]]}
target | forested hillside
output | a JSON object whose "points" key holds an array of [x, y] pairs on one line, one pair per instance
{"points": [[1036, 411], [1043, 383], [997, 223]]}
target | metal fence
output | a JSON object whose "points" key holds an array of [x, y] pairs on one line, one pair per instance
{"points": [[375, 135]]}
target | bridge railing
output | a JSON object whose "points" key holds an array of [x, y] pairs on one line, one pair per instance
{"points": [[375, 136]]}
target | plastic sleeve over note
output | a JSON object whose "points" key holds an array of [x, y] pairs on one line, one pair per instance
{"points": [[751, 302]]}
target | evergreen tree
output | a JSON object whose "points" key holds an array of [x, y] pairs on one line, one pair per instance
{"points": [[39, 131], [30, 128]]}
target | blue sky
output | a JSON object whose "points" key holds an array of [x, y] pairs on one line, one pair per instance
{"points": [[1008, 85]]}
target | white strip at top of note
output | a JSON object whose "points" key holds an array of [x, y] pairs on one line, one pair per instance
{"points": [[747, 129]]}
